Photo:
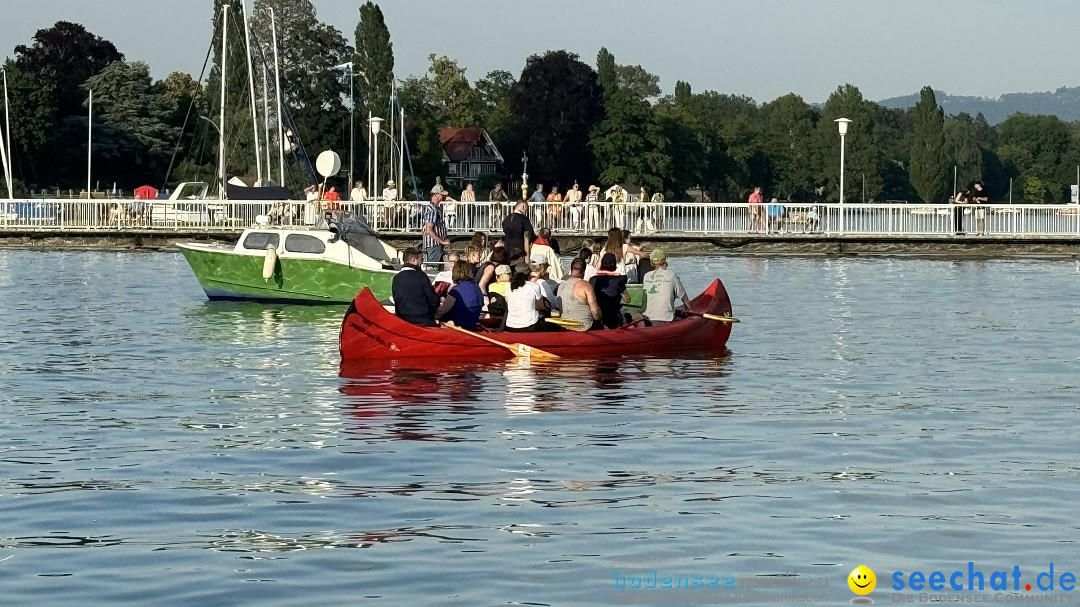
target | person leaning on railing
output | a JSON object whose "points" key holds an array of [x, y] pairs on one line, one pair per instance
{"points": [[979, 197]]}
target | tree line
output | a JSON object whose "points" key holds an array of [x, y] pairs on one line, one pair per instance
{"points": [[600, 123]]}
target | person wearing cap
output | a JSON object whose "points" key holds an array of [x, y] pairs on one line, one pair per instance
{"points": [[431, 217], [502, 280], [592, 208], [538, 269], [661, 287], [390, 191], [610, 289], [386, 208]]}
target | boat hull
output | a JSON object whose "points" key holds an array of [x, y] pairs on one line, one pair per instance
{"points": [[370, 332], [227, 275]]}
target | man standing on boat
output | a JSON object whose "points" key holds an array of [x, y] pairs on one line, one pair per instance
{"points": [[518, 230], [661, 287], [434, 229], [414, 297]]}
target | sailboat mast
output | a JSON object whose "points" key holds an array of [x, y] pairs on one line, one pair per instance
{"points": [[7, 136], [277, 100], [221, 121], [3, 150], [251, 88], [401, 150], [89, 140], [266, 118]]}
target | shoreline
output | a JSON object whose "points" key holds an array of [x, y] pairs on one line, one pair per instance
{"points": [[816, 245]]}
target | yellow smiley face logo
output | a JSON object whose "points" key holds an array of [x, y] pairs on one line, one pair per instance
{"points": [[862, 580]]}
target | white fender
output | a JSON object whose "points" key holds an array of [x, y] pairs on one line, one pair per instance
{"points": [[269, 263]]}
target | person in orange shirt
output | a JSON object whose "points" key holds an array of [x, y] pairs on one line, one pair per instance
{"points": [[554, 208], [332, 198]]}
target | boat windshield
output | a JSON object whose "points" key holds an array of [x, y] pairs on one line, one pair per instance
{"points": [[358, 234]]}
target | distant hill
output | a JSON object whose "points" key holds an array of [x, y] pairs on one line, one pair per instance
{"points": [[1063, 103]]}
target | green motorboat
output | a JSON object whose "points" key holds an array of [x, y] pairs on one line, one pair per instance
{"points": [[290, 265]]}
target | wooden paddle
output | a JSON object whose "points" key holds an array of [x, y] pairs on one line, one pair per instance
{"points": [[522, 350], [711, 316]]}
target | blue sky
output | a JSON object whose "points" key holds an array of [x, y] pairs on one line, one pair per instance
{"points": [[760, 48]]}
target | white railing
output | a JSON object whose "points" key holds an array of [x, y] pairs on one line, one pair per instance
{"points": [[667, 218]]}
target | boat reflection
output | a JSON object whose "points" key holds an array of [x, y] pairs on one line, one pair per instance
{"points": [[255, 324], [417, 395]]}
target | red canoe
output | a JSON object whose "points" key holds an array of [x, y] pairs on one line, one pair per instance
{"points": [[370, 332]]}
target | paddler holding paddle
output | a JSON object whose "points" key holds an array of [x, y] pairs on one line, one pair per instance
{"points": [[660, 288]]}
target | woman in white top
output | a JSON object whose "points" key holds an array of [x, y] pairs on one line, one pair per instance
{"points": [[358, 192], [523, 305]]}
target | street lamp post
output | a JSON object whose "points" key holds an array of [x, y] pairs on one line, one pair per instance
{"points": [[374, 125], [842, 124]]}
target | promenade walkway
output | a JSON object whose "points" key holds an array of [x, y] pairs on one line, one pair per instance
{"points": [[668, 219]]}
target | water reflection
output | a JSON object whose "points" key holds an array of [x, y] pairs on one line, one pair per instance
{"points": [[250, 323], [418, 399]]}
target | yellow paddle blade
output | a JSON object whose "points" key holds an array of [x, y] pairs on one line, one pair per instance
{"points": [[564, 322], [721, 318], [526, 351]]}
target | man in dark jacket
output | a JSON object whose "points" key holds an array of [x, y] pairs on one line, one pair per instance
{"points": [[414, 297]]}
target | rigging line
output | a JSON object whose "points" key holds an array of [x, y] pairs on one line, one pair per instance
{"points": [[191, 105]]}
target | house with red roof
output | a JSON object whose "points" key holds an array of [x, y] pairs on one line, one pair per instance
{"points": [[469, 154]]}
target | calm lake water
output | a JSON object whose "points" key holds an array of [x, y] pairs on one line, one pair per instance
{"points": [[904, 414]]}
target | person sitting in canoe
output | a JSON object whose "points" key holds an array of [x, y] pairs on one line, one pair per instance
{"points": [[464, 302], [485, 274], [610, 288], [415, 300], [523, 306], [503, 273], [661, 288], [576, 298], [538, 273]]}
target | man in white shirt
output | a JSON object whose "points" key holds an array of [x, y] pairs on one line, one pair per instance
{"points": [[390, 192]]}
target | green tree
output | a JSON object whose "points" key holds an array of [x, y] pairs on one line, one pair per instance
{"points": [[1039, 147], [863, 156], [928, 161], [682, 92], [33, 115], [374, 59], [629, 143], [62, 58], [126, 100], [1034, 190], [787, 123], [493, 103], [711, 113], [606, 72], [685, 147], [451, 97], [638, 81], [960, 148], [552, 123]]}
